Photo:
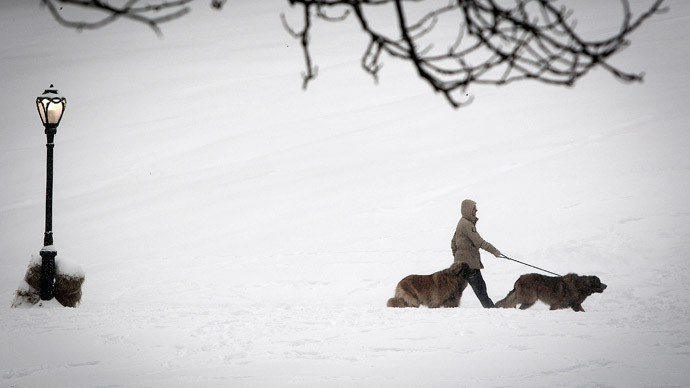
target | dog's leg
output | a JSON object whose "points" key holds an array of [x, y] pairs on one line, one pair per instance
{"points": [[412, 303], [409, 300], [407, 292], [578, 308], [453, 301], [525, 306]]}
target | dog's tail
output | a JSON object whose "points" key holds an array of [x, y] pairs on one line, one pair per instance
{"points": [[510, 301], [396, 302]]}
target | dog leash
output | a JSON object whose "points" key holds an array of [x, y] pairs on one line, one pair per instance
{"points": [[529, 265]]}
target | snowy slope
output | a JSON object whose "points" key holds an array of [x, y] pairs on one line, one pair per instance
{"points": [[236, 231]]}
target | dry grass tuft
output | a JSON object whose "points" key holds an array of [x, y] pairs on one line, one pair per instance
{"points": [[67, 288]]}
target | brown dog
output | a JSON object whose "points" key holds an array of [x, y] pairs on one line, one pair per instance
{"points": [[440, 289], [558, 292]]}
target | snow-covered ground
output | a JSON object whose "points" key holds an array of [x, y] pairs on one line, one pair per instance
{"points": [[236, 231]]}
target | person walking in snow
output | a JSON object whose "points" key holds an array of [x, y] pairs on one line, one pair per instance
{"points": [[465, 247]]}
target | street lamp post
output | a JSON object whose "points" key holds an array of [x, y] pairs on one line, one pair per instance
{"points": [[50, 106]]}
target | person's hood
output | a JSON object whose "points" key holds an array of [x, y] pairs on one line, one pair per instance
{"points": [[467, 208]]}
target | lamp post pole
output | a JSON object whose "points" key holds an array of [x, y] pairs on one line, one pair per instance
{"points": [[48, 252], [50, 109]]}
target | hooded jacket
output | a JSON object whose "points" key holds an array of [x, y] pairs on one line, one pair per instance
{"points": [[466, 241]]}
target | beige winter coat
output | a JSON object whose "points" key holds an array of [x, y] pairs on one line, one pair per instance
{"points": [[466, 241]]}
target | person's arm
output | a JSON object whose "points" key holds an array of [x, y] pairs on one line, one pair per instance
{"points": [[490, 248], [479, 242]]}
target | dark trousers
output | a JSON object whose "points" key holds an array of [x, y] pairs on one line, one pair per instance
{"points": [[479, 287]]}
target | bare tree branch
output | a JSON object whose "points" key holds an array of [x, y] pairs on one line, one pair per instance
{"points": [[303, 36], [495, 42], [149, 14]]}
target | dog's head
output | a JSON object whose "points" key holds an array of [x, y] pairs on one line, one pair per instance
{"points": [[460, 270], [595, 284], [589, 284], [586, 285]]}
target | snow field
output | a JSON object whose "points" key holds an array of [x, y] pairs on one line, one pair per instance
{"points": [[236, 231]]}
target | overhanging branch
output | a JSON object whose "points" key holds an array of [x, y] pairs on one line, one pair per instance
{"points": [[494, 42]]}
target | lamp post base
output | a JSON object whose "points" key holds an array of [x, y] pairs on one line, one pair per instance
{"points": [[48, 254]]}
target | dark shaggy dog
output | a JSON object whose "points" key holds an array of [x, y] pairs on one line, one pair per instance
{"points": [[440, 289], [558, 292]]}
